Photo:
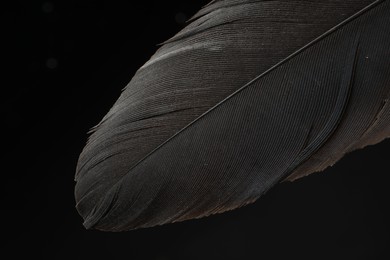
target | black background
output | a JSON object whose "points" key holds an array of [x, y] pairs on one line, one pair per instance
{"points": [[66, 63]]}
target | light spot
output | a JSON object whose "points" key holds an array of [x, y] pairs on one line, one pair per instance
{"points": [[47, 7], [180, 18], [215, 48], [51, 63], [180, 51]]}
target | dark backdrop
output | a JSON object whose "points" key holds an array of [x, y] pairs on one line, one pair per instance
{"points": [[66, 63]]}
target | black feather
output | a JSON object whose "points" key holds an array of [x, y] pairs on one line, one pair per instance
{"points": [[250, 93]]}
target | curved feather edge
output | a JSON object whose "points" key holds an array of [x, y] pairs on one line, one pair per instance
{"points": [[104, 206]]}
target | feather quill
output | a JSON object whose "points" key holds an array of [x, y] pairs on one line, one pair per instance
{"points": [[249, 94]]}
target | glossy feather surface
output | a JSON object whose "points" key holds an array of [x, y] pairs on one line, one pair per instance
{"points": [[250, 93]]}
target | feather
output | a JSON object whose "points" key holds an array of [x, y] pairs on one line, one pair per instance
{"points": [[249, 94]]}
